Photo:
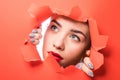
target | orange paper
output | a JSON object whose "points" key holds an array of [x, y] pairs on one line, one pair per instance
{"points": [[38, 15]]}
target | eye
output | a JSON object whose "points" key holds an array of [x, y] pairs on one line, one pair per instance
{"points": [[54, 28], [75, 37]]}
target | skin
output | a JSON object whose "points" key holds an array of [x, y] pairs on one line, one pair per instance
{"points": [[64, 37], [68, 38]]}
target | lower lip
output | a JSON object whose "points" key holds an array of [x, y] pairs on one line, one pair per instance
{"points": [[57, 59]]}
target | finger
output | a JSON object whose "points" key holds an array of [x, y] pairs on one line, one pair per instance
{"points": [[85, 69], [37, 30], [35, 35], [34, 41], [88, 52], [88, 63]]}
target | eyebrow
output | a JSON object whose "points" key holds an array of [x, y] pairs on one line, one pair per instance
{"points": [[80, 32], [72, 30], [56, 22]]}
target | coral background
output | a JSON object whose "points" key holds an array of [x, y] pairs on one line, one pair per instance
{"points": [[14, 26]]}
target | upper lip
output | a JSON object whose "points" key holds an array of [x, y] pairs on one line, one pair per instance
{"points": [[55, 54]]}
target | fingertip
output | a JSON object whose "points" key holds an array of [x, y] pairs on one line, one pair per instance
{"points": [[85, 69], [38, 30], [90, 66], [88, 52], [79, 65], [32, 40], [38, 36], [90, 74], [88, 62], [34, 31], [31, 35]]}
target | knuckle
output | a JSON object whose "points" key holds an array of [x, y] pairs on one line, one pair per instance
{"points": [[79, 65], [86, 59]]}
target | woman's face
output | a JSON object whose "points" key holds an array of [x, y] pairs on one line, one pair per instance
{"points": [[66, 41]]}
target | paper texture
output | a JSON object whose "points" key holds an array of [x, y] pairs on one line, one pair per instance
{"points": [[39, 14]]}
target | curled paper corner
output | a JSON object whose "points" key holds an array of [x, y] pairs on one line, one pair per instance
{"points": [[50, 61], [96, 58], [59, 70], [74, 73], [39, 14], [36, 11], [29, 52], [75, 13], [98, 42]]}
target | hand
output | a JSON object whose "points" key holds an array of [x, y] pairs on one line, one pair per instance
{"points": [[86, 65], [35, 35]]}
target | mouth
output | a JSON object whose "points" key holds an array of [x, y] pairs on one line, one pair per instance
{"points": [[57, 57]]}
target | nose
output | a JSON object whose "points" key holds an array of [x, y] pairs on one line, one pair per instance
{"points": [[59, 44]]}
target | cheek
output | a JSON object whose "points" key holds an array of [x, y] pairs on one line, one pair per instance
{"points": [[47, 38], [74, 50], [48, 41], [72, 55]]}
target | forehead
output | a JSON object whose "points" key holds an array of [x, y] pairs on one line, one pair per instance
{"points": [[68, 24], [64, 20]]}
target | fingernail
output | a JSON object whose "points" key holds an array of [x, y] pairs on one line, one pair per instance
{"points": [[79, 65], [34, 31], [90, 74], [32, 35], [32, 40], [90, 66]]}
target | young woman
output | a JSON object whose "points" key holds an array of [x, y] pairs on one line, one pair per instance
{"points": [[68, 41]]}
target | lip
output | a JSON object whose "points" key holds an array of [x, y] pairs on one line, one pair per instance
{"points": [[57, 57]]}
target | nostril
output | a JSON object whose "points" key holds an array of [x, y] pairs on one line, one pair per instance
{"points": [[58, 47]]}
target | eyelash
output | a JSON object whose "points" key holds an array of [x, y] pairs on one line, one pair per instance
{"points": [[54, 28], [75, 36]]}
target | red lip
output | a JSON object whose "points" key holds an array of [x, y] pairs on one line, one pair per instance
{"points": [[56, 56]]}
